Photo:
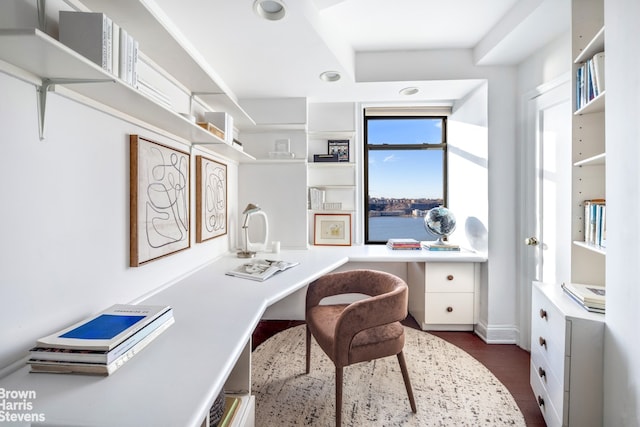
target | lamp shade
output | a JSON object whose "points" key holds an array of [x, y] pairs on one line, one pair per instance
{"points": [[251, 208]]}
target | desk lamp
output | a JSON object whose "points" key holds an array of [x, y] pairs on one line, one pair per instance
{"points": [[248, 212]]}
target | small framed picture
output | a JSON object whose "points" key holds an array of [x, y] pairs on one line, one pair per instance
{"points": [[341, 147], [332, 230]]}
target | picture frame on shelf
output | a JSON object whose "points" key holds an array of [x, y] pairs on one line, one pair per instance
{"points": [[211, 199], [332, 229], [340, 147], [159, 199]]}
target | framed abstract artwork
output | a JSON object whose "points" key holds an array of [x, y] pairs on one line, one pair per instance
{"points": [[159, 200], [332, 230], [211, 199]]}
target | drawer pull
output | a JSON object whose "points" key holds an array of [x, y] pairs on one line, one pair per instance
{"points": [[543, 342], [450, 277], [449, 309], [541, 372], [543, 313], [540, 401]]}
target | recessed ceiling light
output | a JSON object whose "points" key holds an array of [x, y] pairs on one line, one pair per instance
{"points": [[330, 76], [273, 10], [409, 91]]}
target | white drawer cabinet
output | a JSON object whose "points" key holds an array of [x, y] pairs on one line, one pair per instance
{"points": [[442, 295], [566, 358]]}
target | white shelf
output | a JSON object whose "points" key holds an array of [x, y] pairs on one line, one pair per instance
{"points": [[594, 46], [597, 160], [48, 59], [593, 248], [162, 41], [596, 105], [331, 164]]}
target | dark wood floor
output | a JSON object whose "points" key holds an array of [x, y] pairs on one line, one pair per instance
{"points": [[509, 363]]}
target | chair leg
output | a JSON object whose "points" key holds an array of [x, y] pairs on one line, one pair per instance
{"points": [[407, 382], [339, 372], [308, 349]]}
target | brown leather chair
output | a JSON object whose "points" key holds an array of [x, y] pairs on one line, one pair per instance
{"points": [[364, 330]]}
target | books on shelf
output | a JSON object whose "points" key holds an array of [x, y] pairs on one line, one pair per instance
{"points": [[589, 80], [260, 269], [595, 222], [403, 244], [434, 246], [95, 36], [102, 343], [590, 297]]}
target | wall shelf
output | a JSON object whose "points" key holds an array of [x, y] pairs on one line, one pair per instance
{"points": [[56, 67], [162, 41], [597, 160]]}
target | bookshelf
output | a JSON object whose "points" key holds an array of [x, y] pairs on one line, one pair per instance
{"points": [[566, 372], [588, 143]]}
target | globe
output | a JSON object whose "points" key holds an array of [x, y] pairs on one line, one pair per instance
{"points": [[440, 221]]}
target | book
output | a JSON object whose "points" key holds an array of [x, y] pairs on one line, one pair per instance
{"points": [[90, 34], [100, 356], [433, 246], [260, 269], [105, 330], [230, 408], [590, 297], [407, 244], [89, 368]]}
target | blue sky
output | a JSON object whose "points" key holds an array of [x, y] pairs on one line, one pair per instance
{"points": [[405, 174]]}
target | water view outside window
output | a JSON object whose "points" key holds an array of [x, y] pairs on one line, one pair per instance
{"points": [[405, 176]]}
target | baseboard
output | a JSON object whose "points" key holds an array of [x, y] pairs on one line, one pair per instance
{"points": [[498, 334]]}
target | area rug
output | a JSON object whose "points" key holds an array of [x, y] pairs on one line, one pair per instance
{"points": [[451, 388]]}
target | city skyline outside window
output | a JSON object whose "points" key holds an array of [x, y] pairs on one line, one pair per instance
{"points": [[405, 175]]}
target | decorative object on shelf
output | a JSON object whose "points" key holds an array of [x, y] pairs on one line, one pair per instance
{"points": [[321, 158], [250, 211], [222, 121], [332, 230], [213, 129], [332, 206], [339, 147], [282, 149], [440, 221], [159, 200], [211, 199]]}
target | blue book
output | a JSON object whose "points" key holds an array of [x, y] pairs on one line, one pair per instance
{"points": [[107, 329]]}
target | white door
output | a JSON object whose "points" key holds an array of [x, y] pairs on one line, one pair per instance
{"points": [[546, 201]]}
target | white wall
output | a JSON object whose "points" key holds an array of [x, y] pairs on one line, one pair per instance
{"points": [[622, 347], [65, 218]]}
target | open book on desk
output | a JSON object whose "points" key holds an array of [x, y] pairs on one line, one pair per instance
{"points": [[260, 269]]}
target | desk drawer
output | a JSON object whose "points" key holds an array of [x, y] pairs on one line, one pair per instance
{"points": [[448, 308], [449, 277]]}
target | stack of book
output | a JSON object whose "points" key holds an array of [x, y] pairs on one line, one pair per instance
{"points": [[95, 36], [590, 297], [406, 244], [103, 343], [434, 246]]}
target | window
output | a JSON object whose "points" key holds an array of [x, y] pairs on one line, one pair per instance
{"points": [[405, 174]]}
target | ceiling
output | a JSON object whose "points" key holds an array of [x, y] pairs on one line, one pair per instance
{"points": [[257, 58]]}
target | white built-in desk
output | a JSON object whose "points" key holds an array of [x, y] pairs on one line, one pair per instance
{"points": [[174, 381]]}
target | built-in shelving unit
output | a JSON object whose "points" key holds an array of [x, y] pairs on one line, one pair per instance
{"points": [[588, 143], [566, 340]]}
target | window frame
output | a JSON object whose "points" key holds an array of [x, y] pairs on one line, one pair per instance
{"points": [[400, 147]]}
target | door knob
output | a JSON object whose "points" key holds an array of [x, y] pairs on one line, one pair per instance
{"points": [[531, 241]]}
